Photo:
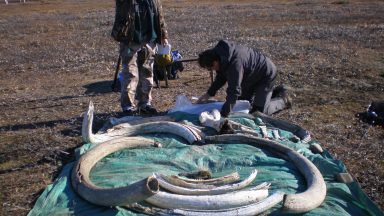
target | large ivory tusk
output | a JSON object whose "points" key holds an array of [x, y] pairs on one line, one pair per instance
{"points": [[212, 191], [247, 210], [138, 120], [207, 202], [151, 127], [201, 184], [295, 203], [128, 121], [135, 192], [252, 209]]}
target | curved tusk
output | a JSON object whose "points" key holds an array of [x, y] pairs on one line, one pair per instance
{"points": [[127, 120], [295, 203], [201, 184], [207, 202], [135, 192], [150, 127], [215, 181], [211, 191], [252, 209], [86, 128]]}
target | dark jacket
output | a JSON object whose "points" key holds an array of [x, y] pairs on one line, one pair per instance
{"points": [[124, 25], [243, 68]]}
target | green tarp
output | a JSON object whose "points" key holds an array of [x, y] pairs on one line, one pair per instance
{"points": [[176, 156]]}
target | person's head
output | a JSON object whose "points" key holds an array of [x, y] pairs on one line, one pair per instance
{"points": [[210, 60]]}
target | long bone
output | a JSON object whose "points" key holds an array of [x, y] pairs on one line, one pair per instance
{"points": [[200, 183], [128, 121], [246, 210], [135, 192], [151, 127], [295, 203], [138, 120], [211, 191], [208, 202]]}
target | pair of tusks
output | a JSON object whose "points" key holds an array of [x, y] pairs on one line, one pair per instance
{"points": [[208, 202], [294, 203], [215, 190], [201, 184], [189, 133]]}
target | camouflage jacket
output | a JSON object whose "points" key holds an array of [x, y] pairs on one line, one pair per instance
{"points": [[124, 25]]}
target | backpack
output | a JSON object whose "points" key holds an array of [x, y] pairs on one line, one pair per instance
{"points": [[176, 67]]}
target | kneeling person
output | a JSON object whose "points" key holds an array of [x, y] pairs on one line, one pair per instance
{"points": [[250, 76]]}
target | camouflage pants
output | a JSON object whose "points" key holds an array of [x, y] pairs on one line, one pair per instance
{"points": [[137, 75]]}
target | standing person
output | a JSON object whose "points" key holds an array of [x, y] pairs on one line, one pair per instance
{"points": [[250, 76], [138, 26]]}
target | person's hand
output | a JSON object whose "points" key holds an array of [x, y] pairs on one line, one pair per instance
{"points": [[164, 41], [203, 99]]}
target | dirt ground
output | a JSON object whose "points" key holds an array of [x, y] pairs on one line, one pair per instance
{"points": [[56, 56]]}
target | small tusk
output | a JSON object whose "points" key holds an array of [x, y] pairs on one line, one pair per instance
{"points": [[212, 191], [201, 184]]}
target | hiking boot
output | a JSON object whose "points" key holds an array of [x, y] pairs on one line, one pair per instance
{"points": [[279, 90], [283, 92], [129, 111], [287, 98], [147, 109], [288, 101]]}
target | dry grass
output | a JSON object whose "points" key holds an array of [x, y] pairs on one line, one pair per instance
{"points": [[56, 56]]}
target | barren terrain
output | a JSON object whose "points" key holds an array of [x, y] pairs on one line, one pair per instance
{"points": [[56, 56]]}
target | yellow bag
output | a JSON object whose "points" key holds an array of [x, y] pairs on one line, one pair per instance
{"points": [[163, 60]]}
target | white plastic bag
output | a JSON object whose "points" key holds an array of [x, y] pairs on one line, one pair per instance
{"points": [[183, 104], [163, 49]]}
